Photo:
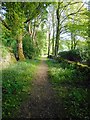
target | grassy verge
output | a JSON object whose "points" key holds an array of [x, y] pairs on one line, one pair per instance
{"points": [[16, 85], [68, 82]]}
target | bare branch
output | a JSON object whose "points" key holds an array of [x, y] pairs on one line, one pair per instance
{"points": [[64, 31], [72, 14], [68, 4]]}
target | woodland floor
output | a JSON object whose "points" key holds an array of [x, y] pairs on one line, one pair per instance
{"points": [[42, 102]]}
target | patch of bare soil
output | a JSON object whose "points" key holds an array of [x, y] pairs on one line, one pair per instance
{"points": [[42, 102]]}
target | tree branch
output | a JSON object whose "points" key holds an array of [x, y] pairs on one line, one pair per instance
{"points": [[71, 14], [64, 31], [25, 34], [37, 8], [70, 3], [4, 23]]}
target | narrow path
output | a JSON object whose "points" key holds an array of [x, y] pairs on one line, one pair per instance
{"points": [[42, 102]]}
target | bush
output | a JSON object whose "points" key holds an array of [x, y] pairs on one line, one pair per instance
{"points": [[73, 55], [29, 50]]}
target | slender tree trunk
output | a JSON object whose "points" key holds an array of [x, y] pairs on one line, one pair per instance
{"points": [[73, 41], [20, 48], [53, 50], [53, 43], [34, 34], [48, 45], [53, 24], [30, 29], [57, 42], [88, 40], [57, 33]]}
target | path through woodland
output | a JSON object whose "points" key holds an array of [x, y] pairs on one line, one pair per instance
{"points": [[42, 102]]}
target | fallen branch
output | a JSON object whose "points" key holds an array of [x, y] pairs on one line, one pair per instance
{"points": [[73, 62]]}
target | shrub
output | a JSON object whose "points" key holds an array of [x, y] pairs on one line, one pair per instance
{"points": [[29, 50], [73, 55]]}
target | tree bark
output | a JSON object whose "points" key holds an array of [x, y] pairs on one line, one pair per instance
{"points": [[57, 34], [29, 28], [20, 48], [88, 40], [53, 34], [73, 41], [53, 43], [48, 45]]}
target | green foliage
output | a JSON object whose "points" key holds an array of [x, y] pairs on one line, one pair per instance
{"points": [[65, 73], [41, 42], [8, 41], [73, 55], [32, 49], [17, 15], [4, 51], [84, 51], [16, 85], [71, 86], [76, 103], [29, 50]]}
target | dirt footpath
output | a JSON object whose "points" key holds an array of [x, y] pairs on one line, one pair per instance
{"points": [[42, 102]]}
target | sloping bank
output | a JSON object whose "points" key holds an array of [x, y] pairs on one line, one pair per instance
{"points": [[6, 57]]}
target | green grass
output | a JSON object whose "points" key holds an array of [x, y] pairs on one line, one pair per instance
{"points": [[16, 84], [68, 82]]}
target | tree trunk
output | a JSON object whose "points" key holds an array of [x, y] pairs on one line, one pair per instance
{"points": [[20, 48], [48, 45], [73, 41], [53, 43], [58, 33], [57, 43], [29, 29], [88, 40], [53, 40], [53, 24]]}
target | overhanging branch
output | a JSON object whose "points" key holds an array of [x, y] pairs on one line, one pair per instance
{"points": [[37, 8]]}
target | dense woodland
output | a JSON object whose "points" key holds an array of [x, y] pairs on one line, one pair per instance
{"points": [[61, 32], [28, 28]]}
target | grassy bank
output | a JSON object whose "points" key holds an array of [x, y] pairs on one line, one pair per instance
{"points": [[70, 86], [16, 85]]}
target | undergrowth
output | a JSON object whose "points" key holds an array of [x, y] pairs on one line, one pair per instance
{"points": [[69, 84], [16, 85]]}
